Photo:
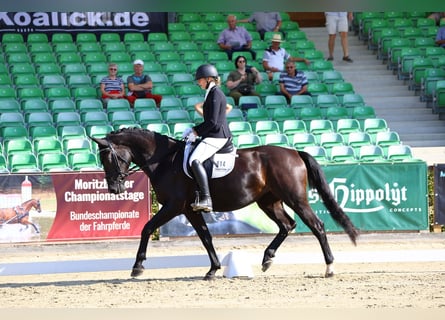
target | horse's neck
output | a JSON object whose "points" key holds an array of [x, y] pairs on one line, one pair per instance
{"points": [[28, 205]]}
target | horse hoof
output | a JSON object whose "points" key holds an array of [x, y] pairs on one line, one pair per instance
{"points": [[329, 271], [136, 272], [210, 276], [266, 265]]}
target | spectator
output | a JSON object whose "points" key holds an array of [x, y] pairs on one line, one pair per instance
{"points": [[338, 22], [293, 82], [438, 17], [440, 37], [140, 84], [265, 21], [242, 80], [112, 86], [274, 57], [235, 38]]}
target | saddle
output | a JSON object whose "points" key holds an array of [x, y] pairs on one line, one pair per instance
{"points": [[218, 165]]}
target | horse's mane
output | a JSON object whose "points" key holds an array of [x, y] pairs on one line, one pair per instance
{"points": [[140, 133]]}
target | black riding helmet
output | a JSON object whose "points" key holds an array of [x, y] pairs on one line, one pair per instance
{"points": [[205, 71]]}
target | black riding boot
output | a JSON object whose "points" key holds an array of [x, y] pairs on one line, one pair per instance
{"points": [[203, 201]]}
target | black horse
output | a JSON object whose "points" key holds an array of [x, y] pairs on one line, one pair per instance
{"points": [[267, 175]]}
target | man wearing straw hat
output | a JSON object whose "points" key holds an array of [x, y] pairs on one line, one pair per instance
{"points": [[274, 57]]}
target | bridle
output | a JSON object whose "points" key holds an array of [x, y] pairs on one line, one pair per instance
{"points": [[116, 157]]}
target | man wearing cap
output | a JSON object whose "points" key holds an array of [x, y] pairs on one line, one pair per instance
{"points": [[235, 38], [274, 57], [140, 84]]}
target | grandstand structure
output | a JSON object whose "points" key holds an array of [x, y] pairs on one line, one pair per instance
{"points": [[49, 97]]}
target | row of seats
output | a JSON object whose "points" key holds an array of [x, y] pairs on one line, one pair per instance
{"points": [[408, 47], [339, 153]]}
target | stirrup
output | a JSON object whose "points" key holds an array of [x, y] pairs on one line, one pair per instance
{"points": [[202, 205]]}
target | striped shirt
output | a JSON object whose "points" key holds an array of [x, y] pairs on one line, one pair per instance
{"points": [[293, 84], [112, 84]]}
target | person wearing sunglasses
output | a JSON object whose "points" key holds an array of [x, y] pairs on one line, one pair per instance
{"points": [[293, 82], [112, 86], [242, 80]]}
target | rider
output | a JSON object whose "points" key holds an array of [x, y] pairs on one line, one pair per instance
{"points": [[214, 131]]}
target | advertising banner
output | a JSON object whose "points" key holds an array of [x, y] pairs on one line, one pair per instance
{"points": [[86, 210], [439, 194], [79, 22], [71, 206]]}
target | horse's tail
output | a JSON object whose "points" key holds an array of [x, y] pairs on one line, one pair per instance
{"points": [[318, 181]]}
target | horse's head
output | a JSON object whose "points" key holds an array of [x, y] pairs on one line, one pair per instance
{"points": [[116, 160]]}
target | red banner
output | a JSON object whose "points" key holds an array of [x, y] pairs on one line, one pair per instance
{"points": [[86, 210]]}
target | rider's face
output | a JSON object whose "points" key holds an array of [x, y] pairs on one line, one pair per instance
{"points": [[202, 82]]}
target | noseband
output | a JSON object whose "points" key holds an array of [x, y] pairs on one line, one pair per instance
{"points": [[116, 157]]}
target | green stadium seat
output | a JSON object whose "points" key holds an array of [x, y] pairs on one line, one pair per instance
{"points": [[12, 38], [94, 57], [48, 144], [347, 125], [10, 105], [86, 37], [257, 114], [356, 139], [62, 105], [22, 68], [55, 93], [247, 141], [107, 37], [48, 69], [42, 132], [235, 115], [157, 37], [161, 128], [52, 80], [17, 145], [400, 152], [39, 119], [7, 93], [99, 131], [61, 38], [73, 68], [342, 154], [83, 161], [148, 116], [62, 119], [14, 132], [53, 162], [30, 93], [370, 153], [23, 163], [276, 139]]}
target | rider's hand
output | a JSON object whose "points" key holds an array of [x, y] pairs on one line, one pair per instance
{"points": [[186, 132], [189, 134]]}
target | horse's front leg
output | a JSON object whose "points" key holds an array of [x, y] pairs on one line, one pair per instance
{"points": [[198, 223], [159, 219]]}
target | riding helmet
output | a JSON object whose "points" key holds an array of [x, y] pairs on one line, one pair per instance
{"points": [[206, 70]]}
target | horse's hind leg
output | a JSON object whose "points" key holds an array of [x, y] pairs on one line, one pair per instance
{"points": [[275, 211], [199, 224], [311, 220]]}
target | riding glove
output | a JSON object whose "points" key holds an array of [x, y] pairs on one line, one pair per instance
{"points": [[189, 134]]}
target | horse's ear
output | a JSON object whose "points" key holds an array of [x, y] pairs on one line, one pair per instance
{"points": [[100, 142]]}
